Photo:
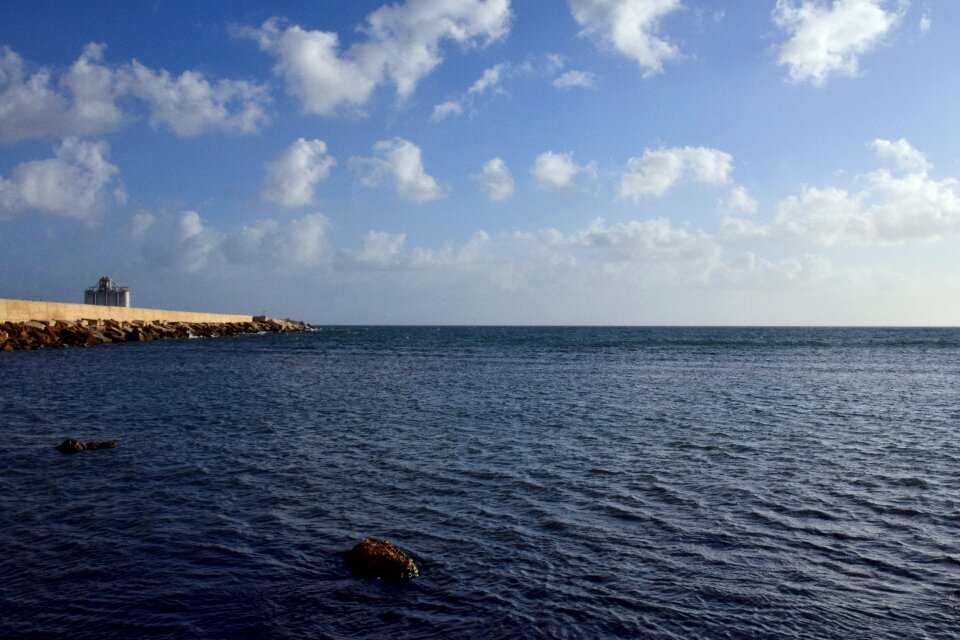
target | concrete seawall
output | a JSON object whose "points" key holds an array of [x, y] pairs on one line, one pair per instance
{"points": [[26, 310]]}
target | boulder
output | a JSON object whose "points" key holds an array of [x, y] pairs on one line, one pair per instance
{"points": [[374, 558], [70, 446]]}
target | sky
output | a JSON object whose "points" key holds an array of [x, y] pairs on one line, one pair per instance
{"points": [[584, 162]]}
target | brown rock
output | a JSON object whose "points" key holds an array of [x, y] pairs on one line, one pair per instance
{"points": [[374, 558], [106, 444], [94, 338], [70, 446], [75, 446]]}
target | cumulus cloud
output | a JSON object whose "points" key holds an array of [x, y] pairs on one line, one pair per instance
{"points": [[739, 200], [647, 240], [829, 38], [886, 209], [301, 241], [496, 179], [603, 267], [380, 249], [32, 107], [401, 47], [557, 171], [446, 109], [186, 243], [658, 170], [190, 104], [85, 99], [72, 184], [571, 79], [630, 27], [398, 162], [904, 154], [825, 215], [466, 256], [189, 245], [737, 230], [292, 175], [490, 81], [596, 255]]}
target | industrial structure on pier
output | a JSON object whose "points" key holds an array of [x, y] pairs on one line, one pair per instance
{"points": [[107, 293]]}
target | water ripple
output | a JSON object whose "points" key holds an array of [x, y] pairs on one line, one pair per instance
{"points": [[550, 483]]}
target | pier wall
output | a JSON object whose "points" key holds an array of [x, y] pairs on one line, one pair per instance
{"points": [[26, 310]]}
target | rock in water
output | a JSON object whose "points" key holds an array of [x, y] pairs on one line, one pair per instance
{"points": [[74, 446], [70, 446], [106, 444], [375, 558]]}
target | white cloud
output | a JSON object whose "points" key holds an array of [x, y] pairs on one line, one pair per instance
{"points": [[85, 100], [571, 79], [826, 216], [913, 207], [302, 242], [739, 200], [190, 104], [647, 240], [658, 170], [490, 81], [888, 209], [398, 162], [380, 249], [902, 153], [445, 109], [140, 223], [735, 230], [292, 175], [604, 273], [466, 256], [925, 23], [73, 184], [826, 39], [402, 46], [30, 107], [185, 243], [630, 27], [496, 179], [557, 171]]}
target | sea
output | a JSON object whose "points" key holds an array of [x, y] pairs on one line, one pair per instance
{"points": [[549, 482]]}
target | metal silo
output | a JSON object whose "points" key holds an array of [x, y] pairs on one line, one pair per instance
{"points": [[107, 293]]}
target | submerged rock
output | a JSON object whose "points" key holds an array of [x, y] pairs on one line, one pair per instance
{"points": [[374, 558], [75, 446]]}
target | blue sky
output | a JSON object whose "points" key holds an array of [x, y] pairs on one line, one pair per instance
{"points": [[488, 161]]}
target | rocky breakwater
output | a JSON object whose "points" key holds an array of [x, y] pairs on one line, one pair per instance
{"points": [[88, 333]]}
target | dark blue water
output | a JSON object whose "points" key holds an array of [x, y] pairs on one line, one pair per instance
{"points": [[551, 483]]}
